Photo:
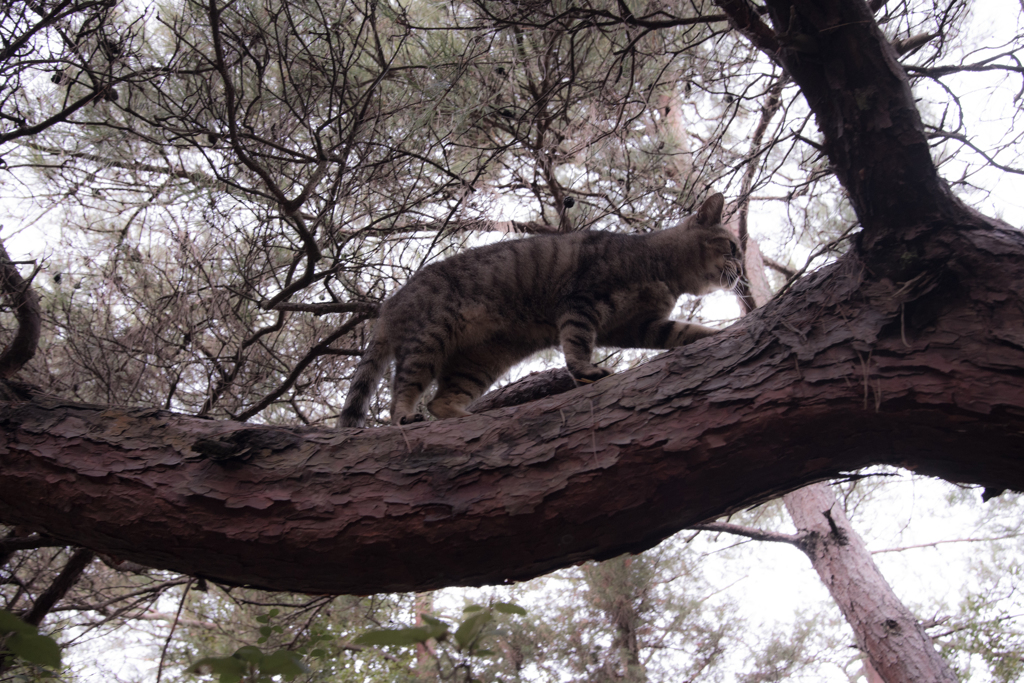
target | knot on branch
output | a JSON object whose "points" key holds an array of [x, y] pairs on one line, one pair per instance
{"points": [[840, 534]]}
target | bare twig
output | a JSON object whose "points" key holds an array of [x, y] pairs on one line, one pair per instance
{"points": [[750, 532], [170, 634]]}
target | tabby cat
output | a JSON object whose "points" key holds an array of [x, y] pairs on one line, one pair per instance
{"points": [[466, 320]]}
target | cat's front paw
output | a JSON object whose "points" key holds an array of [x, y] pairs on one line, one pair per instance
{"points": [[411, 419], [591, 374]]}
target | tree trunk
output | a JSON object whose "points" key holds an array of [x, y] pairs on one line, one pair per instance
{"points": [[616, 591], [895, 642], [897, 648], [908, 351]]}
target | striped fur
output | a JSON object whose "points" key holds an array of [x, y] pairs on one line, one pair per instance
{"points": [[465, 321]]}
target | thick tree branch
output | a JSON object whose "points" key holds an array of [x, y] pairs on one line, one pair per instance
{"points": [[907, 351], [747, 22], [534, 386], [27, 312], [12, 544], [842, 373], [860, 95]]}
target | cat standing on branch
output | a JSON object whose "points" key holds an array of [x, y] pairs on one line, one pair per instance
{"points": [[466, 320]]}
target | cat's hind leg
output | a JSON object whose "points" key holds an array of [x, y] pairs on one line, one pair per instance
{"points": [[413, 374], [464, 379]]}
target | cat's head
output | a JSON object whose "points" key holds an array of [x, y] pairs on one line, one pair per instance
{"points": [[721, 255]]}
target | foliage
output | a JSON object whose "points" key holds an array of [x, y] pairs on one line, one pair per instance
{"points": [[252, 665], [318, 631], [983, 633], [453, 652], [23, 642]]}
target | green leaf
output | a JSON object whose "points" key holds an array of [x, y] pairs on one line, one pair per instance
{"points": [[12, 624], [471, 608], [319, 653], [470, 629], [438, 632], [283, 663], [230, 669], [41, 650], [263, 619], [435, 627], [433, 621], [266, 630], [273, 613], [249, 653], [398, 636], [509, 608]]}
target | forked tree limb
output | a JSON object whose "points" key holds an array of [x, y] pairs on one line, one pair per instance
{"points": [[27, 312]]}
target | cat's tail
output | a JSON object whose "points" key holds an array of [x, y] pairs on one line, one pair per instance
{"points": [[364, 383]]}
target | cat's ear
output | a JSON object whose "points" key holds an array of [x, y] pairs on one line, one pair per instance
{"points": [[710, 212]]}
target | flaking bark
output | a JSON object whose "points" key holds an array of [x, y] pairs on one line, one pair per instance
{"points": [[841, 373]]}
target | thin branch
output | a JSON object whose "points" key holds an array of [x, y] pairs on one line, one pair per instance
{"points": [[934, 544], [323, 348], [778, 267], [60, 116], [823, 249], [984, 65], [771, 106], [962, 139], [750, 532], [67, 578], [174, 625], [368, 309], [745, 20]]}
